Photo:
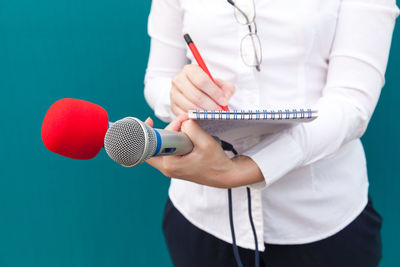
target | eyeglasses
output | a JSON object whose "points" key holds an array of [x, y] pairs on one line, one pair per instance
{"points": [[250, 46]]}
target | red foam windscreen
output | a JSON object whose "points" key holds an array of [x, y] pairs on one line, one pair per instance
{"points": [[75, 128]]}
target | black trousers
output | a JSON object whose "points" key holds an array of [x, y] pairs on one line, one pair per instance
{"points": [[357, 245]]}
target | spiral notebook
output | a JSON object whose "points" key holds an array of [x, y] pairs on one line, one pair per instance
{"points": [[236, 124]]}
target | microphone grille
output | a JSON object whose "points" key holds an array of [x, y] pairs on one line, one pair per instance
{"points": [[129, 142]]}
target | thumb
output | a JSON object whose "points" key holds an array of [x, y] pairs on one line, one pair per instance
{"points": [[196, 134]]}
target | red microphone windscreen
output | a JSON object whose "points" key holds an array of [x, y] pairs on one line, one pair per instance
{"points": [[75, 128]]}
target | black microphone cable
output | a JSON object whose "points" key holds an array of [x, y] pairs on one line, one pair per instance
{"points": [[229, 147]]}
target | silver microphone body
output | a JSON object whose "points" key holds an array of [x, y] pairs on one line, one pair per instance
{"points": [[130, 142], [173, 143]]}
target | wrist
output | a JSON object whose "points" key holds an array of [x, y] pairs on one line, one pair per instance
{"points": [[244, 171]]}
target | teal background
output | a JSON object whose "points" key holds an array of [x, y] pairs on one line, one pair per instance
{"points": [[56, 211]]}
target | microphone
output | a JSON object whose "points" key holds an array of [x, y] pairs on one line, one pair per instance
{"points": [[79, 129], [130, 141]]}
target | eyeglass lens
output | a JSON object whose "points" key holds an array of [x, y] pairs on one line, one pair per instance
{"points": [[250, 49]]}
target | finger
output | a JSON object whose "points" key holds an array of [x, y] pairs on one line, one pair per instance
{"points": [[195, 95], [196, 133], [168, 165], [177, 110], [201, 80], [155, 162], [228, 87], [180, 100], [149, 122], [176, 124]]}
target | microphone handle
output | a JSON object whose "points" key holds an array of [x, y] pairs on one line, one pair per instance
{"points": [[172, 143]]}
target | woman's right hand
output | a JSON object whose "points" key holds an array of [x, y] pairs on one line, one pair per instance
{"points": [[193, 89]]}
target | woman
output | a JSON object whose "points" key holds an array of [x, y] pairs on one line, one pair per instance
{"points": [[309, 183]]}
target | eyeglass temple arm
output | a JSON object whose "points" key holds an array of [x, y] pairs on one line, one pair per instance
{"points": [[254, 49], [241, 11]]}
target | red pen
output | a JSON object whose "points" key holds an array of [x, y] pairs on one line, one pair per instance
{"points": [[200, 60]]}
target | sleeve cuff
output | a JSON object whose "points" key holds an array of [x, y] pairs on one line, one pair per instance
{"points": [[157, 96], [163, 107], [275, 156]]}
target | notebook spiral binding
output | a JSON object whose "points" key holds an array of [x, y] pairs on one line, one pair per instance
{"points": [[280, 114]]}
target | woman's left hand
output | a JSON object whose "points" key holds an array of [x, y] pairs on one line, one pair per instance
{"points": [[207, 164]]}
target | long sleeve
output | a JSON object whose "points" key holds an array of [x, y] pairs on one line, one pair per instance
{"points": [[167, 55], [357, 65]]}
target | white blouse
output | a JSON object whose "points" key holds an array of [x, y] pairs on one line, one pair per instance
{"points": [[330, 55]]}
